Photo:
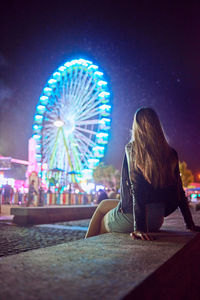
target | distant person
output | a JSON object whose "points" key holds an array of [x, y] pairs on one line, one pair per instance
{"points": [[31, 193], [11, 194], [151, 186], [112, 194], [20, 195], [41, 197], [7, 194], [1, 190], [85, 198], [102, 195]]}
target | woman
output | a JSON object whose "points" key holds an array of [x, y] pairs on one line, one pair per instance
{"points": [[151, 186]]}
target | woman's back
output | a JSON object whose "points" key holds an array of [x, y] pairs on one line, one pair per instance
{"points": [[150, 152], [144, 191]]}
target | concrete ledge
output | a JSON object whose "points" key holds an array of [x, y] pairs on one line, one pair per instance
{"points": [[110, 266], [45, 215], [5, 208], [178, 278]]}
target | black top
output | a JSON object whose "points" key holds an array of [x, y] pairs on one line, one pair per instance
{"points": [[135, 195]]}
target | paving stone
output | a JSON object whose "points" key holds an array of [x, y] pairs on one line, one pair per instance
{"points": [[16, 239]]}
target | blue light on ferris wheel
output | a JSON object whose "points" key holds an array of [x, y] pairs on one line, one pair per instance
{"points": [[38, 119], [62, 68], [105, 107], [97, 73], [41, 109], [52, 82], [104, 94], [93, 162], [104, 124], [101, 82], [105, 120], [57, 76], [37, 136], [47, 91], [98, 151], [102, 135], [94, 67], [44, 100], [37, 128]]}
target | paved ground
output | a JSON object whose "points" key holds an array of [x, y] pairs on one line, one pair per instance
{"points": [[15, 239], [107, 267]]}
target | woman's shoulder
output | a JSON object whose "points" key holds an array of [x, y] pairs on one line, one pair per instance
{"points": [[129, 149], [129, 146]]}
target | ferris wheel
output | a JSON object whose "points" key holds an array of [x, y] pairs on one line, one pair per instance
{"points": [[72, 119]]}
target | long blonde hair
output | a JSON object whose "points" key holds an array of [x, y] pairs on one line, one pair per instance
{"points": [[152, 154]]}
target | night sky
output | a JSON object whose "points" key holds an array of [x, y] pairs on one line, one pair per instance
{"points": [[149, 51]]}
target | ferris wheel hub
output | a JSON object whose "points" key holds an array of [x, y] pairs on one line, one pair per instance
{"points": [[58, 123], [69, 126]]}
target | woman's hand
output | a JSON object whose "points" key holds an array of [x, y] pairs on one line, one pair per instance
{"points": [[141, 235]]}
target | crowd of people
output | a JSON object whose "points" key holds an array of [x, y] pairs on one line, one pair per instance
{"points": [[10, 196]]}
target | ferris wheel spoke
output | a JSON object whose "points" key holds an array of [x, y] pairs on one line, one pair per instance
{"points": [[88, 105], [71, 88], [87, 110], [85, 130], [77, 81], [89, 115], [83, 152], [54, 151], [83, 88], [85, 139], [87, 152], [89, 98], [75, 156], [87, 122], [83, 97]]}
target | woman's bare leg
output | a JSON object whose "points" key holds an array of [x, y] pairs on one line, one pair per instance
{"points": [[95, 226]]}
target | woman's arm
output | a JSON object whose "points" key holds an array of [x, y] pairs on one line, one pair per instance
{"points": [[139, 216]]}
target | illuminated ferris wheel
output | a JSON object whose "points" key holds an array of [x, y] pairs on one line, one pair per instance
{"points": [[72, 119]]}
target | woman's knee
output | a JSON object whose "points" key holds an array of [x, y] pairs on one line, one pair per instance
{"points": [[103, 204], [106, 205]]}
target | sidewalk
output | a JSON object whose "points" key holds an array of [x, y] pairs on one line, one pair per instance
{"points": [[108, 267]]}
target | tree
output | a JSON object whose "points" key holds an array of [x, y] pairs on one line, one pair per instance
{"points": [[186, 174], [107, 176]]}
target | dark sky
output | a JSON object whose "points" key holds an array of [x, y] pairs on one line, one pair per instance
{"points": [[149, 51]]}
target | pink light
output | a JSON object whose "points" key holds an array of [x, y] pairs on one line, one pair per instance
{"points": [[15, 160], [19, 161]]}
